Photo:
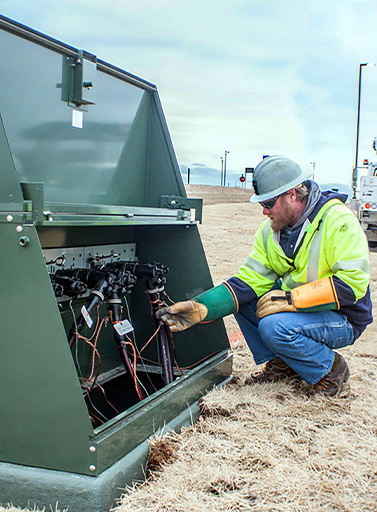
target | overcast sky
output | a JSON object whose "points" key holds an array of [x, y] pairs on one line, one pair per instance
{"points": [[252, 77]]}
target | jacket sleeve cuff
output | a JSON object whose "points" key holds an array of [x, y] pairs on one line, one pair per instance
{"points": [[220, 301], [242, 291]]}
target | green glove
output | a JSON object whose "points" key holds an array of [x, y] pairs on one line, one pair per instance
{"points": [[210, 305]]}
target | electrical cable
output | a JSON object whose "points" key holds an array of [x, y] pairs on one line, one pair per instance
{"points": [[105, 396], [87, 380], [166, 295], [115, 317], [138, 351], [94, 352], [154, 287], [111, 282], [175, 354]]}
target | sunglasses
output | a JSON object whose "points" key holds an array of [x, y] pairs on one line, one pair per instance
{"points": [[270, 203]]}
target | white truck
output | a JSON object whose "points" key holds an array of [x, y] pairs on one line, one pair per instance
{"points": [[367, 203]]}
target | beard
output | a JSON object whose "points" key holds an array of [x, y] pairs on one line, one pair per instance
{"points": [[284, 218]]}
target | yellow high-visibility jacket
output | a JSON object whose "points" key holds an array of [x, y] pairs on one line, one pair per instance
{"points": [[333, 244]]}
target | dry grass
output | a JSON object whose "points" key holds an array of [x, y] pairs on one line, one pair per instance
{"points": [[269, 447], [10, 508]]}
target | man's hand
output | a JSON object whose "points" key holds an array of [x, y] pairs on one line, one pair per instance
{"points": [[182, 315], [275, 301]]}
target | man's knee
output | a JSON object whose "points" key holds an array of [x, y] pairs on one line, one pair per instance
{"points": [[275, 328]]}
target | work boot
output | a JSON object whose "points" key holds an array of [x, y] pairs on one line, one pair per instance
{"points": [[332, 383], [273, 370]]}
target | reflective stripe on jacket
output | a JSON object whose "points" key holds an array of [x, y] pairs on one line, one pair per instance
{"points": [[333, 244]]}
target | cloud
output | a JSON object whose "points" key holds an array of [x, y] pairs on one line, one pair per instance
{"points": [[253, 78]]}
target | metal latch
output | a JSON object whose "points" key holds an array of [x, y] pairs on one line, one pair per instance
{"points": [[34, 192], [78, 79], [183, 203]]}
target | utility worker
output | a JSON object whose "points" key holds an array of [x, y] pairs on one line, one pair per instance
{"points": [[304, 289]]}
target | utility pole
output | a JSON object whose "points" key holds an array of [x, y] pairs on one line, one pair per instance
{"points": [[355, 169], [226, 152], [313, 164]]}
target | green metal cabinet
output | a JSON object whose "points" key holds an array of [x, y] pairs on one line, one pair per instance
{"points": [[86, 161]]}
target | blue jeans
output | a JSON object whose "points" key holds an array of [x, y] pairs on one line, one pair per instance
{"points": [[305, 341]]}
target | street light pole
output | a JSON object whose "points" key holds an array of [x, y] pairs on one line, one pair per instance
{"points": [[355, 170], [226, 152], [222, 170], [313, 164]]}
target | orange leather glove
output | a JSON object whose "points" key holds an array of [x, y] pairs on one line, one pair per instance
{"points": [[275, 301]]}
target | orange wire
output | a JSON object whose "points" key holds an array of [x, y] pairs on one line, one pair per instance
{"points": [[151, 338], [172, 301], [104, 394], [95, 346], [95, 351], [134, 368], [174, 353]]}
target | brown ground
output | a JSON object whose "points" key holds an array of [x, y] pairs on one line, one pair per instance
{"points": [[219, 195], [266, 447]]}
